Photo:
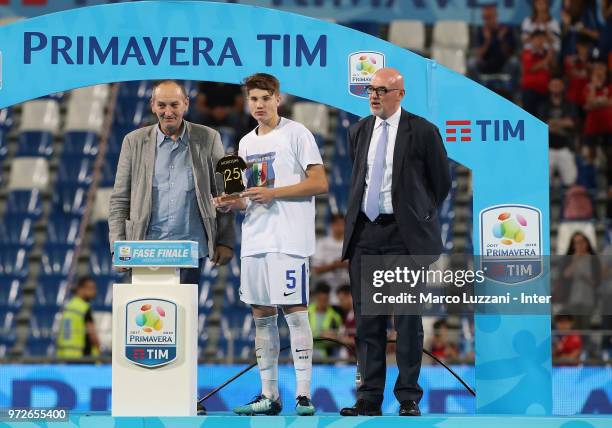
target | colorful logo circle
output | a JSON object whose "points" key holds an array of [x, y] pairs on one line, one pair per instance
{"points": [[366, 65], [150, 319], [509, 229]]}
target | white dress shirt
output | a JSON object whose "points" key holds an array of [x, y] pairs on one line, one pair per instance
{"points": [[384, 199]]}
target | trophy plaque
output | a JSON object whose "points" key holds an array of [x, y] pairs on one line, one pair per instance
{"points": [[231, 167]]}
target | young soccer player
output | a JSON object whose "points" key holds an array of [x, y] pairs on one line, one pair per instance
{"points": [[284, 173]]}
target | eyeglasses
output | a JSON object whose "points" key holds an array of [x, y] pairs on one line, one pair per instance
{"points": [[380, 91]]}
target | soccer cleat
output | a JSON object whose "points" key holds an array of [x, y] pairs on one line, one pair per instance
{"points": [[260, 405], [304, 406]]}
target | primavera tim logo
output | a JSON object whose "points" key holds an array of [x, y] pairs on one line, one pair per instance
{"points": [[362, 66], [150, 332], [511, 243]]}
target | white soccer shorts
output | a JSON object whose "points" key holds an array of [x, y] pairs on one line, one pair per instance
{"points": [[274, 279]]}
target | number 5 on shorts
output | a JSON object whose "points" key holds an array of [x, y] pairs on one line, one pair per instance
{"points": [[290, 276]]}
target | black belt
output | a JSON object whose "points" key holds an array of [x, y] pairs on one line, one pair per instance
{"points": [[382, 219]]}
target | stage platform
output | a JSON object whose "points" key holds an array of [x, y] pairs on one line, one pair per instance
{"points": [[226, 420]]}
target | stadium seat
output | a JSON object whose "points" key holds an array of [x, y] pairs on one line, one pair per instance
{"points": [[451, 58], [57, 259], [313, 116], [85, 116], [35, 143], [52, 290], [100, 234], [6, 344], [24, 202], [101, 262], [132, 113], [139, 89], [29, 173], [409, 34], [6, 118], [13, 261], [101, 205], [74, 170], [43, 321], [70, 200], [63, 229], [3, 144], [568, 228], [104, 291], [205, 297], [80, 143], [7, 321], [40, 115], [368, 27], [451, 34], [11, 292], [17, 230], [40, 347], [109, 170], [87, 94], [232, 285]]}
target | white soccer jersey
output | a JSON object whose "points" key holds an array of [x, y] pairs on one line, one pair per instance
{"points": [[278, 159]]}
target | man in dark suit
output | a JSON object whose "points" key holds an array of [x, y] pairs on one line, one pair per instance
{"points": [[400, 178]]}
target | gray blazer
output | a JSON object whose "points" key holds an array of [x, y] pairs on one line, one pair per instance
{"points": [[130, 202]]}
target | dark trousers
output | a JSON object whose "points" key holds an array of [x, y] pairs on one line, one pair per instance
{"points": [[192, 275], [371, 337]]}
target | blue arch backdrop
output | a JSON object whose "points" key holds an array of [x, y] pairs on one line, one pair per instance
{"points": [[505, 147]]}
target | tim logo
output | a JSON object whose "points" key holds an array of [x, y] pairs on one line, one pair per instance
{"points": [[150, 332], [487, 131], [511, 243]]}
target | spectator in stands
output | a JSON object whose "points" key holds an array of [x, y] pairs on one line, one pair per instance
{"points": [[77, 335], [578, 18], [560, 115], [598, 124], [324, 320], [345, 304], [577, 71], [440, 345], [537, 62], [327, 261], [221, 106], [568, 346], [495, 44], [580, 276], [541, 20], [173, 202]]}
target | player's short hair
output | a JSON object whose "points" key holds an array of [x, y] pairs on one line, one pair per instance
{"points": [[343, 289], [322, 288], [82, 281], [263, 81], [161, 82]]}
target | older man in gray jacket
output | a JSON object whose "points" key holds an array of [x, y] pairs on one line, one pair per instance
{"points": [[163, 184]]}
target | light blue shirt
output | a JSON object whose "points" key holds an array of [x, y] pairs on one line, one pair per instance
{"points": [[174, 212]]}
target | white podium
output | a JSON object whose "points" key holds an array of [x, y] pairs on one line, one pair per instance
{"points": [[155, 331]]}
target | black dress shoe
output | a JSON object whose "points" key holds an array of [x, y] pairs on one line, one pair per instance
{"points": [[201, 410], [409, 408], [362, 407]]}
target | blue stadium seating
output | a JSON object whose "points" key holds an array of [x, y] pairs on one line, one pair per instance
{"points": [[205, 297], [63, 229], [57, 259], [132, 113], [6, 118], [369, 27], [11, 292], [40, 347], [136, 89], [100, 235], [109, 170], [101, 262], [35, 143], [7, 321], [232, 285], [24, 202], [17, 230], [42, 320], [70, 200], [104, 292], [13, 261], [6, 343], [52, 290], [238, 320], [3, 144], [80, 143], [74, 170]]}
